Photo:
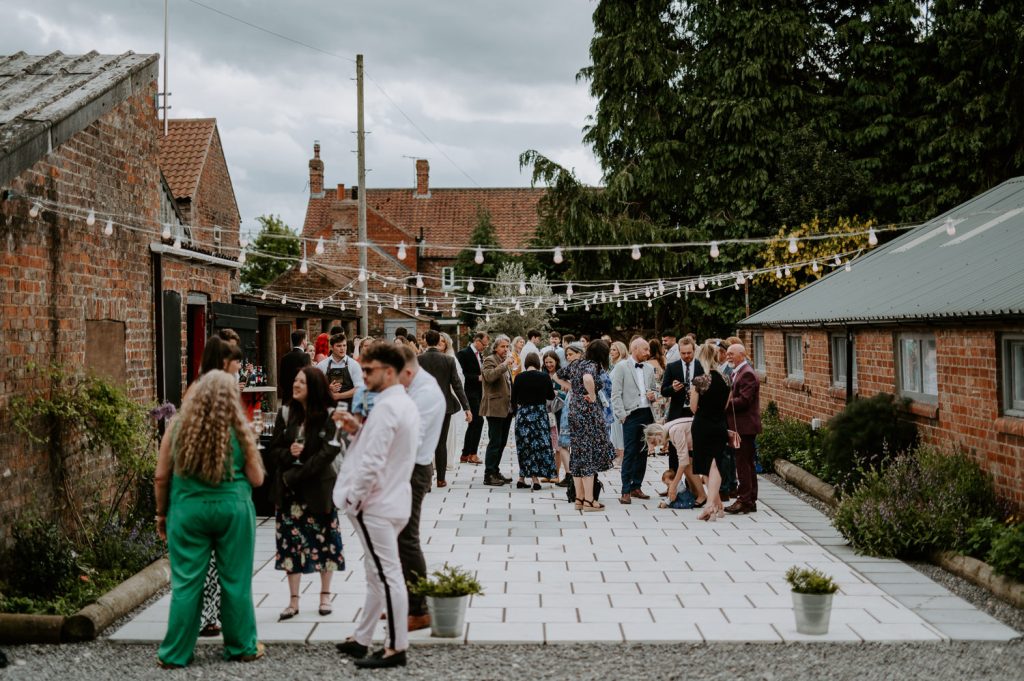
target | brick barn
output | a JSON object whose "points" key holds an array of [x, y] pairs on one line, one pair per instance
{"points": [[936, 315], [80, 134]]}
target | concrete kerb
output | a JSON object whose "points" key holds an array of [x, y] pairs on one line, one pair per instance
{"points": [[973, 570], [90, 621]]}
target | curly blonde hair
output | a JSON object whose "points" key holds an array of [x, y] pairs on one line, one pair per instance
{"points": [[211, 411]]}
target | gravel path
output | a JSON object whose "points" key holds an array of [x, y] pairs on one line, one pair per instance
{"points": [[101, 660]]}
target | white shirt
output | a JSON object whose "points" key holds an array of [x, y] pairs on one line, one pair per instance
{"points": [[530, 348], [672, 354], [354, 370], [641, 380], [560, 351], [375, 475], [430, 401]]}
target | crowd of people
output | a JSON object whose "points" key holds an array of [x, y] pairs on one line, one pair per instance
{"points": [[365, 429]]}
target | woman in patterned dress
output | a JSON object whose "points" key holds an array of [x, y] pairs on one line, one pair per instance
{"points": [[657, 360], [590, 449], [616, 352], [530, 394]]}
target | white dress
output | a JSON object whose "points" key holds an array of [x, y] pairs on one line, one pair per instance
{"points": [[457, 427]]}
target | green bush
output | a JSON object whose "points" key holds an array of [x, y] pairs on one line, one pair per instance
{"points": [[448, 582], [41, 559], [922, 501], [780, 437], [864, 435], [806, 581], [979, 537], [1007, 553], [124, 545]]}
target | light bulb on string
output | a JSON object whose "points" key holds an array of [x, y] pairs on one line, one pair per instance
{"points": [[661, 286], [788, 271], [108, 229], [604, 297], [90, 219], [678, 294], [263, 296], [740, 280], [558, 256], [320, 305], [707, 294], [343, 306], [302, 307], [586, 307], [284, 300], [847, 266], [487, 317], [714, 249], [950, 227], [380, 309], [359, 304], [362, 274], [166, 233], [701, 284], [618, 303], [522, 288], [568, 291], [650, 304], [319, 250], [561, 301], [35, 209], [435, 306], [241, 257], [243, 242], [616, 289], [177, 243], [479, 257], [814, 266], [872, 237], [838, 261], [303, 267], [636, 252], [778, 273], [401, 250], [470, 286], [792, 248], [478, 306], [419, 281]]}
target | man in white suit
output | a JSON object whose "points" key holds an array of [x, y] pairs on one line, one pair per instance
{"points": [[633, 391]]}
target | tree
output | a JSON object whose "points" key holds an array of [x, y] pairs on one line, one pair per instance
{"points": [[507, 293], [486, 236], [274, 242], [813, 259]]}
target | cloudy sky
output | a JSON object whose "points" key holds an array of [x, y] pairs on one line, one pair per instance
{"points": [[483, 80]]}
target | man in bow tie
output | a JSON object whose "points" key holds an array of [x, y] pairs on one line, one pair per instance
{"points": [[633, 392]]}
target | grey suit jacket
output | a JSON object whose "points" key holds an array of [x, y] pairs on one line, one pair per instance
{"points": [[442, 368], [625, 391]]}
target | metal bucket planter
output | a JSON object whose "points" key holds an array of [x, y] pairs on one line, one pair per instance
{"points": [[447, 616], [812, 612]]}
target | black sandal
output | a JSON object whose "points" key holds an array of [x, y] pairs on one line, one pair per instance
{"points": [[289, 612], [325, 609]]}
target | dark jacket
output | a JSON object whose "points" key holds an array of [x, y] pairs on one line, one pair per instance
{"points": [[443, 369], [471, 370], [678, 405], [532, 387], [291, 364], [313, 481]]}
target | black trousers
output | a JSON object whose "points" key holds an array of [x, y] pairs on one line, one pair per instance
{"points": [[441, 450], [475, 427], [410, 553]]}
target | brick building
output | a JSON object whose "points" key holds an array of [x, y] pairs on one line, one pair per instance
{"points": [[423, 217], [80, 135], [936, 315]]}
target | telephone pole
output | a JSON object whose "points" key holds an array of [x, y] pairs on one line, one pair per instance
{"points": [[364, 318]]}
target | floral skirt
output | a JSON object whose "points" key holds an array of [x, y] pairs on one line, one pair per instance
{"points": [[307, 542]]}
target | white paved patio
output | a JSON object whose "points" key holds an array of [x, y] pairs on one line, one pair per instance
{"points": [[631, 573]]}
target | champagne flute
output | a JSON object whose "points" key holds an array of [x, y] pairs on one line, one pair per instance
{"points": [[300, 439], [342, 406]]}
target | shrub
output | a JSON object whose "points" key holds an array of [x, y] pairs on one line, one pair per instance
{"points": [[978, 539], [814, 581], [124, 545], [41, 559], [780, 437], [1007, 553], [864, 435], [448, 582], [922, 501]]}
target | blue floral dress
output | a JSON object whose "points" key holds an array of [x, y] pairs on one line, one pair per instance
{"points": [[590, 450], [530, 393]]}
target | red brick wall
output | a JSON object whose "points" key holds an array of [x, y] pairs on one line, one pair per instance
{"points": [[56, 273], [968, 413], [214, 204]]}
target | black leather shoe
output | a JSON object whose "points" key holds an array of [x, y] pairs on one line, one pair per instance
{"points": [[494, 480], [504, 478], [522, 485], [352, 649], [536, 487], [564, 482], [376, 661]]}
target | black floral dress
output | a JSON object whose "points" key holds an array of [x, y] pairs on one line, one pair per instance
{"points": [[530, 394], [590, 450]]}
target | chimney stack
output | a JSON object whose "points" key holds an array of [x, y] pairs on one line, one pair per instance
{"points": [[316, 173], [422, 177]]}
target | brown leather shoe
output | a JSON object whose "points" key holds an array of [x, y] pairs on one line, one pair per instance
{"points": [[474, 459], [739, 507], [464, 458], [624, 499], [638, 494], [417, 622], [441, 483]]}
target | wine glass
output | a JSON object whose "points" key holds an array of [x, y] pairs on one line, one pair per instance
{"points": [[342, 406], [257, 427], [300, 439]]}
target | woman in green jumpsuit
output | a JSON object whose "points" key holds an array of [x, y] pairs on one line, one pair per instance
{"points": [[207, 467]]}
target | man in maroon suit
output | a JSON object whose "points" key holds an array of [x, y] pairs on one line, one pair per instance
{"points": [[743, 411]]}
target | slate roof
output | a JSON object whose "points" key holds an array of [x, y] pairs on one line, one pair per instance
{"points": [[183, 153], [44, 100], [925, 274]]}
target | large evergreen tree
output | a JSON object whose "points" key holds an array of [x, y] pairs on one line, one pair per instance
{"points": [[485, 236]]}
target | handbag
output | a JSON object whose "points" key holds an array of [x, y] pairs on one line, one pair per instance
{"points": [[733, 439]]}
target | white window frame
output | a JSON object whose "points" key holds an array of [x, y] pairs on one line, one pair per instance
{"points": [[792, 371], [757, 341], [447, 278], [837, 340], [1013, 373], [919, 389]]}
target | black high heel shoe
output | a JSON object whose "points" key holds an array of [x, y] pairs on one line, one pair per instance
{"points": [[701, 504]]}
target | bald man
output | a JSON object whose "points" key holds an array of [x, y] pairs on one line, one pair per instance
{"points": [[633, 392], [743, 412]]}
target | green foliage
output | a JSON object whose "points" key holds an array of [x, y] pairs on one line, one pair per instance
{"points": [[78, 593], [1007, 553], [485, 235], [276, 240], [922, 501], [41, 559], [124, 544], [450, 581], [864, 434], [781, 438], [805, 581], [979, 537], [506, 288]]}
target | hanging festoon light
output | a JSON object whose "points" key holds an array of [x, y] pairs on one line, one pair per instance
{"points": [[650, 304], [536, 304], [792, 248], [419, 281], [166, 233], [435, 306], [362, 274], [788, 271], [778, 273], [302, 307], [522, 288], [636, 252], [470, 286], [108, 229], [359, 304], [243, 242], [838, 261], [847, 266], [177, 242], [380, 309], [303, 266], [618, 303], [604, 297], [343, 306], [568, 290], [615, 289], [872, 237], [33, 212], [263, 296], [401, 250], [714, 249], [707, 294], [241, 256], [661, 286], [950, 227], [478, 306], [90, 219], [558, 255], [586, 307], [319, 250], [479, 257], [814, 266], [701, 284]]}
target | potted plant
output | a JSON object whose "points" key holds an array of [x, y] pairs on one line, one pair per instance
{"points": [[447, 591], [812, 599]]}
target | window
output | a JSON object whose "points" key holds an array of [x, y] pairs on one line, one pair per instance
{"points": [[1013, 375], [917, 366], [795, 356], [759, 363], [839, 361], [447, 278]]}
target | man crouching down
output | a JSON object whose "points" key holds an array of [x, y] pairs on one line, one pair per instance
{"points": [[373, 490]]}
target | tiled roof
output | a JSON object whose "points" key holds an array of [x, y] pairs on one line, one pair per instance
{"points": [[318, 283], [44, 100], [183, 153]]}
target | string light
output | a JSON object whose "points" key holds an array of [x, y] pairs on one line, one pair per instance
{"points": [[320, 305], [788, 271], [522, 288], [838, 261], [359, 304], [108, 229], [714, 249], [950, 227], [90, 219], [243, 242], [636, 252], [419, 281], [792, 244], [569, 290], [380, 309], [362, 274], [177, 242], [263, 296], [558, 256], [872, 237], [303, 266], [319, 250], [814, 265], [34, 210], [284, 300], [241, 256], [470, 287], [401, 250], [847, 266], [615, 289], [166, 233], [479, 257], [778, 273]]}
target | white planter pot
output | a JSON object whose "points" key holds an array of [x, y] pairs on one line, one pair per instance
{"points": [[447, 616], [812, 612]]}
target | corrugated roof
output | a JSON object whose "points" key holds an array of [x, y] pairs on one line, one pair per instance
{"points": [[44, 100], [183, 153], [925, 274]]}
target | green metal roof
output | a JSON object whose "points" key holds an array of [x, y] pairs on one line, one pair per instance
{"points": [[925, 274]]}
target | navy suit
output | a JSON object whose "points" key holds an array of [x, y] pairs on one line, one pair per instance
{"points": [[467, 359], [679, 401]]}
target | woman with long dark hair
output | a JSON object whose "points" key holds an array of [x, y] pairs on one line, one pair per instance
{"points": [[708, 396], [530, 394], [308, 538]]}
